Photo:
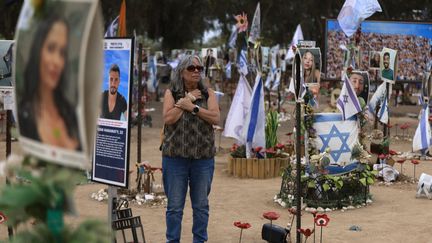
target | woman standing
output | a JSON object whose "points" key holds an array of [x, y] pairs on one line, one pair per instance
{"points": [[190, 110], [45, 114]]}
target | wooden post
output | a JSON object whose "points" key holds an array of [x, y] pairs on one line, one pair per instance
{"points": [[243, 168], [249, 168], [277, 167], [272, 168], [238, 169], [297, 64], [139, 117], [261, 168], [255, 168], [8, 152], [267, 168], [230, 165]]}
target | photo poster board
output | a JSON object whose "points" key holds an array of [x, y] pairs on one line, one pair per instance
{"points": [[427, 86], [6, 88], [209, 59], [364, 88], [388, 65], [56, 53], [265, 58], [312, 80], [6, 60], [112, 145]]}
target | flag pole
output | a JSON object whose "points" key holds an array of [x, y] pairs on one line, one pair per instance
{"points": [[140, 106], [8, 152], [297, 63]]}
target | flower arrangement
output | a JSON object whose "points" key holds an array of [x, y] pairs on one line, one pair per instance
{"points": [[273, 149]]}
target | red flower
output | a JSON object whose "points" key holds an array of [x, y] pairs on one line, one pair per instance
{"points": [[400, 161], [392, 152], [3, 218], [241, 225], [271, 215], [306, 232], [242, 22], [270, 151], [313, 212], [404, 126], [292, 211], [258, 149], [234, 147], [321, 220], [350, 69], [280, 146], [415, 162], [382, 156]]}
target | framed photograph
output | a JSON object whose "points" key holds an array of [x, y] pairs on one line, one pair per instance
{"points": [[374, 59], [6, 60], [388, 64], [209, 58], [311, 63], [360, 82], [52, 48], [111, 152]]}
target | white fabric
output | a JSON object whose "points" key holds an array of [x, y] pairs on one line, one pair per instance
{"points": [[238, 111], [353, 12]]}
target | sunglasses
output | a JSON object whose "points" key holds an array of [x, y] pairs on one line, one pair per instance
{"points": [[192, 68]]}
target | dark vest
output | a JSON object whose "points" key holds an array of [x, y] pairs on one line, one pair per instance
{"points": [[190, 137]]}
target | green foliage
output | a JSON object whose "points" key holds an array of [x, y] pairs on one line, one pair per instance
{"points": [[239, 152], [42, 193], [271, 127], [367, 176]]}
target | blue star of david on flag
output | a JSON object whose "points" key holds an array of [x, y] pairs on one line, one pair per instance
{"points": [[335, 134]]}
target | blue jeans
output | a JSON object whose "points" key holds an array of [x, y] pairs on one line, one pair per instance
{"points": [[177, 174]]}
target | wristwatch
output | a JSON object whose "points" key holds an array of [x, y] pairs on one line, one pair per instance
{"points": [[195, 110]]}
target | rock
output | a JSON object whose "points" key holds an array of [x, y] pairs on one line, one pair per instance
{"points": [[149, 197], [358, 206], [320, 209], [350, 207], [100, 199], [355, 228], [369, 201], [344, 208], [363, 204], [283, 204], [328, 210]]}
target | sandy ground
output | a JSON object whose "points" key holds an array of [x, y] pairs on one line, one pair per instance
{"points": [[395, 215]]}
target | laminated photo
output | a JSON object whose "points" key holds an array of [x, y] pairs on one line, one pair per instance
{"points": [[388, 64], [49, 71], [111, 150]]}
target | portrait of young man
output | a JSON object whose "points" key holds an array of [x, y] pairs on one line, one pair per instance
{"points": [[114, 104]]}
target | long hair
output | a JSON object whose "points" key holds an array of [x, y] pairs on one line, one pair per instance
{"points": [[177, 82], [311, 77], [30, 95]]}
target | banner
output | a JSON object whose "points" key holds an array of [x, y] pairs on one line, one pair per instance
{"points": [[111, 152], [58, 53], [338, 135]]}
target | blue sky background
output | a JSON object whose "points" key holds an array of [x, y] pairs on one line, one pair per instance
{"points": [[122, 59], [408, 28]]}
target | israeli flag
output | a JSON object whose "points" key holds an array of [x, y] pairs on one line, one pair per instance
{"points": [[243, 66], [422, 136], [152, 80], [383, 113], [277, 79], [254, 130], [238, 111], [337, 134], [353, 12], [233, 37], [113, 28], [377, 98], [348, 102]]}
